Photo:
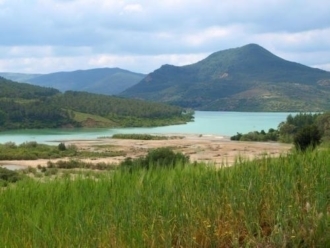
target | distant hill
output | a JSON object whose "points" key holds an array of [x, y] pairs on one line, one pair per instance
{"points": [[248, 78], [24, 106], [108, 81], [18, 77]]}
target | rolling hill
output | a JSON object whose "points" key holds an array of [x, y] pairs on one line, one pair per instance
{"points": [[109, 81], [247, 78], [24, 106]]}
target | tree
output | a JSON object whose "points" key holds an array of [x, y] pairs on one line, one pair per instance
{"points": [[2, 117], [307, 136], [323, 124]]}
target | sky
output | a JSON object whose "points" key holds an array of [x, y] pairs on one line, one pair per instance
{"points": [[44, 36]]}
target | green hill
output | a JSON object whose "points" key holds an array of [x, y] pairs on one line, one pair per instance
{"points": [[110, 81], [27, 106], [248, 78]]}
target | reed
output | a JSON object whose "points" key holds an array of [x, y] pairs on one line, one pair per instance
{"points": [[269, 202]]}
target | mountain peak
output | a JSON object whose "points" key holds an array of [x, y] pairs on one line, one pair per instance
{"points": [[243, 54], [244, 78]]}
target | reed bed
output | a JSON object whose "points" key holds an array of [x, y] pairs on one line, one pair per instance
{"points": [[269, 202]]}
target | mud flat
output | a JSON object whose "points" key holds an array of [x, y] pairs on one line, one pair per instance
{"points": [[215, 149]]}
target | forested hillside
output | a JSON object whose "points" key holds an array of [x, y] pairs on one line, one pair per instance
{"points": [[26, 106], [247, 78], [123, 112], [10, 89]]}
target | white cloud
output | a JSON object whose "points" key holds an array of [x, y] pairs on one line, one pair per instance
{"points": [[133, 8], [141, 34]]}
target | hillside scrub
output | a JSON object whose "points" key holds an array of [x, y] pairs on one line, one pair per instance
{"points": [[33, 150], [269, 202]]}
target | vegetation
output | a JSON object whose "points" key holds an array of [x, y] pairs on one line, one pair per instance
{"points": [[271, 135], [124, 112], [269, 202], [304, 130], [33, 150], [24, 106], [248, 78], [294, 124], [77, 164], [157, 158], [307, 136], [143, 136], [8, 176], [12, 90]]}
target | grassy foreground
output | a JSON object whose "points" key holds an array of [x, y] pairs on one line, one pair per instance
{"points": [[283, 202]]}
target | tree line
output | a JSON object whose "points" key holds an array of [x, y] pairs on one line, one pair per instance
{"points": [[303, 129]]}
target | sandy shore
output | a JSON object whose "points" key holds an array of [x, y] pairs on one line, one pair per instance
{"points": [[214, 149]]}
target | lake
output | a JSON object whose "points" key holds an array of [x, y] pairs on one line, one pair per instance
{"points": [[206, 123]]}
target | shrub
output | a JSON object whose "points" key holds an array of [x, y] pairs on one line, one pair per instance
{"points": [[160, 157], [307, 136], [164, 157], [9, 175], [10, 145], [61, 146], [30, 144]]}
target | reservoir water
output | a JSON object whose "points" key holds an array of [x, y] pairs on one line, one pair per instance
{"points": [[206, 123]]}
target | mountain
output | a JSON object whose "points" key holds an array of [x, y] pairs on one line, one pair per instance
{"points": [[109, 81], [18, 77], [247, 78]]}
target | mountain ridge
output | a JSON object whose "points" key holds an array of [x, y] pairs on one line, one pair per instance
{"points": [[248, 78], [110, 81]]}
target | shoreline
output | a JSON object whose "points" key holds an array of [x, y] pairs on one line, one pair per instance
{"points": [[214, 149]]}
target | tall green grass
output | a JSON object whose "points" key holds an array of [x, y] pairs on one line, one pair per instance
{"points": [[282, 202]]}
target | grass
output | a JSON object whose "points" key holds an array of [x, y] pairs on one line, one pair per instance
{"points": [[90, 120], [269, 202], [144, 136]]}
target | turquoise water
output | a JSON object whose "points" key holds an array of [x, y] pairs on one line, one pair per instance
{"points": [[206, 122]]}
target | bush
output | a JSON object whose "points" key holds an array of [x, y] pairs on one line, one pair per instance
{"points": [[160, 157], [10, 145], [9, 175], [238, 136], [164, 157], [30, 144], [307, 136], [61, 147]]}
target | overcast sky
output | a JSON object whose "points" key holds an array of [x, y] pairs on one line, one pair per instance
{"points": [[42, 36]]}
